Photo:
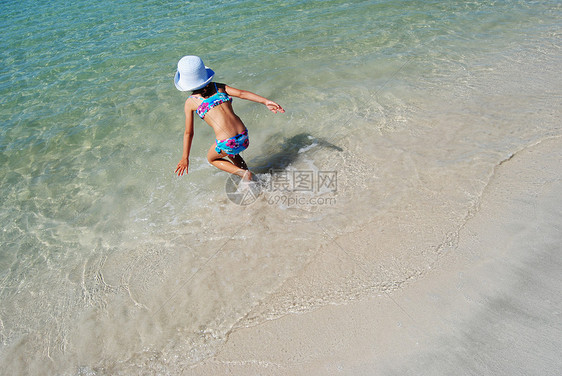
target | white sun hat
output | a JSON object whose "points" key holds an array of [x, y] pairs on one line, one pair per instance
{"points": [[192, 74]]}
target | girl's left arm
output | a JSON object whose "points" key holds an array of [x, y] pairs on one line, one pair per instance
{"points": [[248, 95], [183, 164]]}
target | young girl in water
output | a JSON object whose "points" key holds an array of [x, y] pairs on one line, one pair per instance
{"points": [[212, 102]]}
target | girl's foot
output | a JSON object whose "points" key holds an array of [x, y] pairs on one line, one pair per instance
{"points": [[246, 175]]}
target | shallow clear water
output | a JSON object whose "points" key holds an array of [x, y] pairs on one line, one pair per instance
{"points": [[110, 263]]}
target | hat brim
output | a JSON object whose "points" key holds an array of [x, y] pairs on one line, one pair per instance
{"points": [[181, 86]]}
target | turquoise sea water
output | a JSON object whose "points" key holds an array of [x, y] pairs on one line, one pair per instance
{"points": [[110, 263]]}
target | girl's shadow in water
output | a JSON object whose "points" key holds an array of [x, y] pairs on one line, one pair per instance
{"points": [[291, 148]]}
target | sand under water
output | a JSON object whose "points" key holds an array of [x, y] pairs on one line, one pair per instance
{"points": [[382, 183]]}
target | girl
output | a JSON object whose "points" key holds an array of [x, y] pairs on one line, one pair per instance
{"points": [[212, 102]]}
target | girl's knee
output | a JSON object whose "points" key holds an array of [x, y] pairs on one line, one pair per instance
{"points": [[213, 156]]}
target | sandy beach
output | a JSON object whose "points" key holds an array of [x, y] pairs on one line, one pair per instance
{"points": [[491, 306], [410, 208]]}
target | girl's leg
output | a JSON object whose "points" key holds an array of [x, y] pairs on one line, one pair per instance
{"points": [[236, 167], [238, 161]]}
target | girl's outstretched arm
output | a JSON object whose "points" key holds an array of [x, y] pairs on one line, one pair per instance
{"points": [[248, 95], [183, 164]]}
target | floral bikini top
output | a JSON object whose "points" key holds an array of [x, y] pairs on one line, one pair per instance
{"points": [[212, 101]]}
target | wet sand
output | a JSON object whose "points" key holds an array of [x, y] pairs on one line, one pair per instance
{"points": [[491, 306]]}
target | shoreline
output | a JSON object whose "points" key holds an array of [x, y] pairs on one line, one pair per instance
{"points": [[490, 306]]}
